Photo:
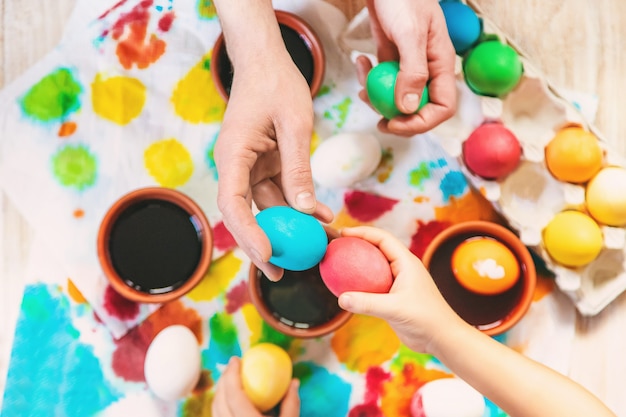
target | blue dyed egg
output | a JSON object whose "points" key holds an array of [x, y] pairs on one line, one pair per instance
{"points": [[464, 26], [298, 240]]}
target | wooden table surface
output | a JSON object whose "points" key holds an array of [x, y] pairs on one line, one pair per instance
{"points": [[577, 44]]}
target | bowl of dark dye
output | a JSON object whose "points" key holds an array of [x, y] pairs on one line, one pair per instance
{"points": [[301, 42], [491, 313], [154, 245], [298, 305]]}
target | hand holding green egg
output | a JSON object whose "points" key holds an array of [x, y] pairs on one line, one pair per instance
{"points": [[381, 87]]}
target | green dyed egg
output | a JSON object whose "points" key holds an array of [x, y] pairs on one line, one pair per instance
{"points": [[381, 86], [492, 68]]}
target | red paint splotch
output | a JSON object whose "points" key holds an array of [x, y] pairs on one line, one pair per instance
{"points": [[115, 6], [426, 232], [223, 240], [130, 351], [237, 297], [374, 379], [165, 22], [366, 207], [118, 306], [135, 46]]}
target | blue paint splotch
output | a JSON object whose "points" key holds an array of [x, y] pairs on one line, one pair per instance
{"points": [[210, 156], [322, 394], [51, 372], [453, 184]]}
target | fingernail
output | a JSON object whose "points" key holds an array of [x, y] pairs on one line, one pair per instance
{"points": [[411, 101], [345, 301], [305, 201]]}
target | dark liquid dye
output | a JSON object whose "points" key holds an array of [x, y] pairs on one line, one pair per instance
{"points": [[300, 299], [297, 47], [482, 311], [155, 246]]}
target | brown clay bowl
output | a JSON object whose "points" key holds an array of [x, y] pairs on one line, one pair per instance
{"points": [[132, 200], [492, 314], [313, 310], [221, 69]]}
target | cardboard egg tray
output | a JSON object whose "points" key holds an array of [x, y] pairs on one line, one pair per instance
{"points": [[530, 196]]}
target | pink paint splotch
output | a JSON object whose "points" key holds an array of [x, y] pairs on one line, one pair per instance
{"points": [[374, 380], [426, 232], [223, 240], [119, 307], [237, 297]]}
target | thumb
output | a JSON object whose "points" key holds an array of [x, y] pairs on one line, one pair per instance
{"points": [[290, 406], [370, 304], [413, 74]]}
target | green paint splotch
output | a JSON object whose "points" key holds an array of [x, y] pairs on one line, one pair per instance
{"points": [[406, 355], [206, 9], [75, 167], [339, 112], [223, 343], [271, 335], [54, 97], [420, 174]]}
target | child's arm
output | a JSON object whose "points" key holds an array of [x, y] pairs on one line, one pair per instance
{"points": [[423, 320]]}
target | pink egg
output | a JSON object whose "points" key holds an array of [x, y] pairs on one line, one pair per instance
{"points": [[353, 264], [491, 151]]}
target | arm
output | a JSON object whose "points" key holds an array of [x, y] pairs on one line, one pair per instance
{"points": [[262, 153], [413, 32], [418, 313]]}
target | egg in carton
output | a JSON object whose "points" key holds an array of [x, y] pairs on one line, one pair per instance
{"points": [[514, 147]]}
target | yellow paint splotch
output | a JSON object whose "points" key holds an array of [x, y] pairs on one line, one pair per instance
{"points": [[364, 342], [168, 162], [344, 219], [195, 97], [74, 292], [253, 321], [118, 99], [217, 280]]}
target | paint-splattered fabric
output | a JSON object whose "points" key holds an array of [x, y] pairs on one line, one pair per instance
{"points": [[125, 101]]}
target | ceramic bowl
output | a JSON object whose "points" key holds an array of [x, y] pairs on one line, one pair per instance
{"points": [[149, 236], [492, 314], [312, 309], [302, 43]]}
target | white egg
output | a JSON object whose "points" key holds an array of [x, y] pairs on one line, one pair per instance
{"points": [[172, 366], [447, 397], [345, 158]]}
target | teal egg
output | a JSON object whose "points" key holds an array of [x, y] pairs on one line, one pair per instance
{"points": [[464, 25], [298, 240], [381, 86], [492, 68]]}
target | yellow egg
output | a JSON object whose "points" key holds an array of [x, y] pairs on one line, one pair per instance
{"points": [[485, 266], [572, 238], [266, 371], [606, 196], [574, 155]]}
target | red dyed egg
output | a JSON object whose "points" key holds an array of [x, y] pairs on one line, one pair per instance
{"points": [[354, 264], [492, 151]]}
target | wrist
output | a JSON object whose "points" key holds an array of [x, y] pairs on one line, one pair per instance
{"points": [[251, 31]]}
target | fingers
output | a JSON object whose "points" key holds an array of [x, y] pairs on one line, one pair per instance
{"points": [[238, 402], [219, 406], [389, 245], [383, 306], [413, 74], [290, 406]]}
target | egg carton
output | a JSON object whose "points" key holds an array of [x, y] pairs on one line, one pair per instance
{"points": [[529, 197]]}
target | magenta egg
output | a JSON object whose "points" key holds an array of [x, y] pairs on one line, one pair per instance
{"points": [[492, 151]]}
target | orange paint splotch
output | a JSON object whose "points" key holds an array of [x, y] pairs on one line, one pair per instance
{"points": [[79, 213], [364, 342], [421, 199], [543, 287], [471, 206], [176, 312], [399, 389], [134, 50], [74, 292], [67, 129], [344, 219]]}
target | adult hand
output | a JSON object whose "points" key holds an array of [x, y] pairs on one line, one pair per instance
{"points": [[262, 153], [413, 32], [414, 307], [231, 401]]}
